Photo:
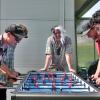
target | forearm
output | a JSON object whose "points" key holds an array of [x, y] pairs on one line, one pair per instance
{"points": [[47, 61], [2, 71], [69, 60], [98, 68]]}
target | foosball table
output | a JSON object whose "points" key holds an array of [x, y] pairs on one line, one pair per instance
{"points": [[54, 85]]}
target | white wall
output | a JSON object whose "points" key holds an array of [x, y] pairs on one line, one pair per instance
{"points": [[39, 16]]}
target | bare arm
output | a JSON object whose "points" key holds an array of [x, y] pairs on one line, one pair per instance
{"points": [[97, 73], [98, 81], [5, 70], [98, 68], [69, 62], [48, 60], [2, 71]]}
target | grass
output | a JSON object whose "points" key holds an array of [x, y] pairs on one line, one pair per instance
{"points": [[85, 54]]}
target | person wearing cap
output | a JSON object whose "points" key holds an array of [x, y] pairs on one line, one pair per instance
{"points": [[8, 41], [93, 31], [58, 51]]}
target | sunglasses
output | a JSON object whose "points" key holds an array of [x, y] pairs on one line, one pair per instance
{"points": [[17, 38]]}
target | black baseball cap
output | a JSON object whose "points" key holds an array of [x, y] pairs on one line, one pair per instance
{"points": [[19, 31]]}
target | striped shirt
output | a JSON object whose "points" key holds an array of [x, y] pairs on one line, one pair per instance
{"points": [[6, 57]]}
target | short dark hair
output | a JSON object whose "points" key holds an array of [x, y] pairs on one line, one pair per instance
{"points": [[96, 17], [94, 20]]}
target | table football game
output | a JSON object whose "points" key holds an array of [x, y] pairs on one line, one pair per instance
{"points": [[51, 85]]}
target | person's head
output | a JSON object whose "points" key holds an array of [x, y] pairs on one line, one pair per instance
{"points": [[15, 32], [58, 32], [93, 27], [94, 32]]}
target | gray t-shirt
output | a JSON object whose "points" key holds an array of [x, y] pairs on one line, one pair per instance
{"points": [[58, 52]]}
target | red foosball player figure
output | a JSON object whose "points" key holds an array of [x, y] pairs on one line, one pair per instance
{"points": [[44, 80], [54, 86], [70, 82], [36, 84], [50, 75], [34, 80], [62, 80], [65, 75]]}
